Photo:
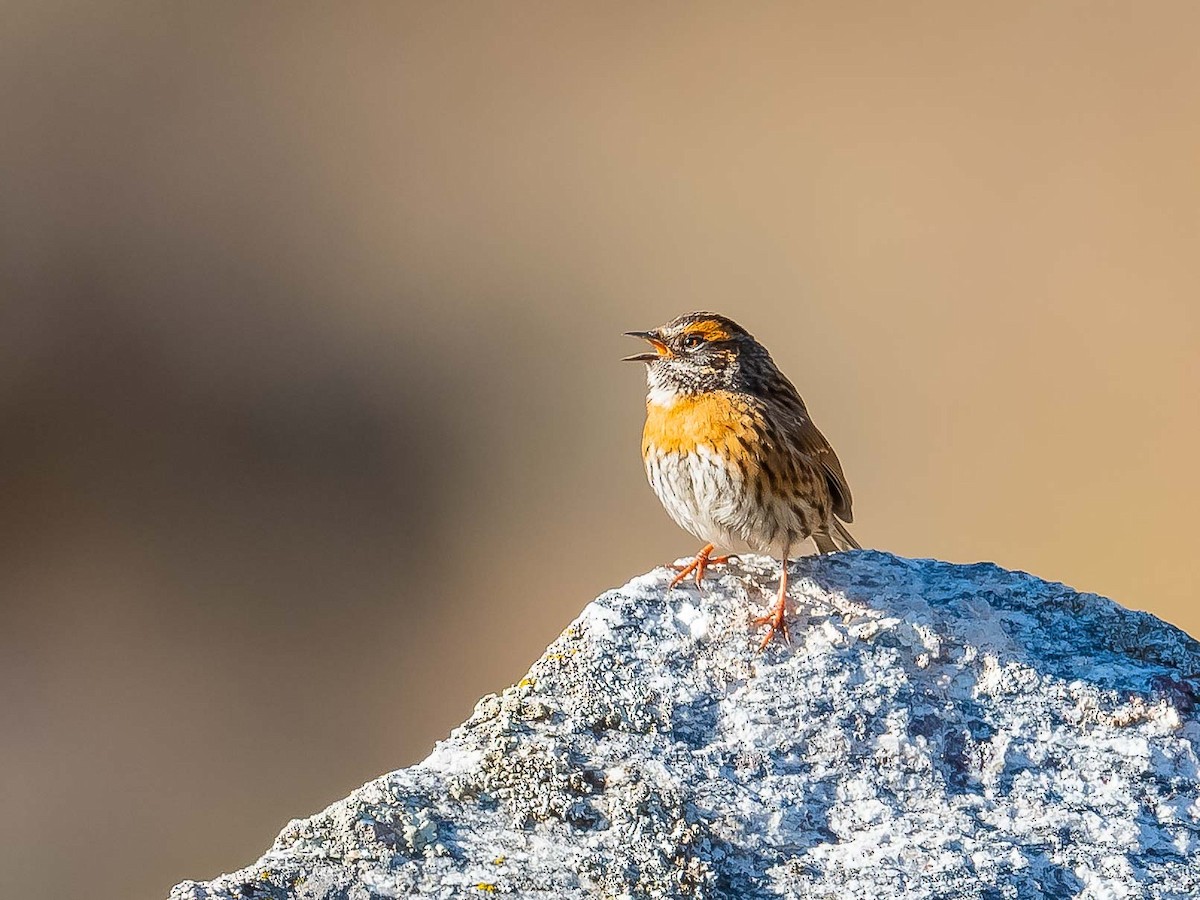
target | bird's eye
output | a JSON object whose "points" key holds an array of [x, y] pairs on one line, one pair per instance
{"points": [[692, 341]]}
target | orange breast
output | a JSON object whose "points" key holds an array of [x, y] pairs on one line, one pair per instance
{"points": [[720, 420]]}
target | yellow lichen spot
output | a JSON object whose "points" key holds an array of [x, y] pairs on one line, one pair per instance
{"points": [[264, 875], [527, 682], [486, 887], [498, 861]]}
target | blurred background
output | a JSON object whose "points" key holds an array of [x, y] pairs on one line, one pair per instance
{"points": [[313, 425]]}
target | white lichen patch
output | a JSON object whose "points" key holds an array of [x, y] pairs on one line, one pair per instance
{"points": [[931, 731]]}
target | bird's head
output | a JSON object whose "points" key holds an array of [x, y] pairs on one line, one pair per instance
{"points": [[698, 352]]}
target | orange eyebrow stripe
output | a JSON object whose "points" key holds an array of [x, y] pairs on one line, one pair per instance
{"points": [[709, 330]]}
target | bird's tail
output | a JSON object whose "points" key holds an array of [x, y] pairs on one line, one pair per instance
{"points": [[837, 539]]}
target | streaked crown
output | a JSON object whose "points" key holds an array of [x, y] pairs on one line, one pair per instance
{"points": [[700, 352]]}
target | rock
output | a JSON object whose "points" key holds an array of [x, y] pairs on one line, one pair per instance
{"points": [[934, 731]]}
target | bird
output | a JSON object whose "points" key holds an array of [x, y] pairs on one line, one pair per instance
{"points": [[732, 454]]}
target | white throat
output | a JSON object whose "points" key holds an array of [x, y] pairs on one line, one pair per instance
{"points": [[662, 396]]}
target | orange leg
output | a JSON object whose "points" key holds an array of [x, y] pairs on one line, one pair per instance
{"points": [[776, 618], [699, 565]]}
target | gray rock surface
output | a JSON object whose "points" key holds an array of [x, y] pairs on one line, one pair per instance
{"points": [[933, 731]]}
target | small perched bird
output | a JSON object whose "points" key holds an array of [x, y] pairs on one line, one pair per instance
{"points": [[732, 453]]}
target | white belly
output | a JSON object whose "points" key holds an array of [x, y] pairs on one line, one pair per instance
{"points": [[708, 499]]}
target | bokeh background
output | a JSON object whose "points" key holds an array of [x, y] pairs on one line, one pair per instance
{"points": [[313, 429]]}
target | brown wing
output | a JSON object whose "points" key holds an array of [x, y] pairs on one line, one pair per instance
{"points": [[785, 406], [813, 444]]}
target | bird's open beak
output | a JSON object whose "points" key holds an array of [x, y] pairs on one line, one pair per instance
{"points": [[659, 347]]}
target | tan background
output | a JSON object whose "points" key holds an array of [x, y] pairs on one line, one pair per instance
{"points": [[313, 429]]}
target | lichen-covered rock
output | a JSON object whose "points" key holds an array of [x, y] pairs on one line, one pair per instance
{"points": [[933, 731]]}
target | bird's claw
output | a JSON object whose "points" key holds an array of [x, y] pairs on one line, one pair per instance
{"points": [[776, 621], [699, 565]]}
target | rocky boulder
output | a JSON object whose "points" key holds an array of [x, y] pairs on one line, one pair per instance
{"points": [[933, 731]]}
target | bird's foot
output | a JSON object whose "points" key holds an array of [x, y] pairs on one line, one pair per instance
{"points": [[776, 621], [699, 565]]}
